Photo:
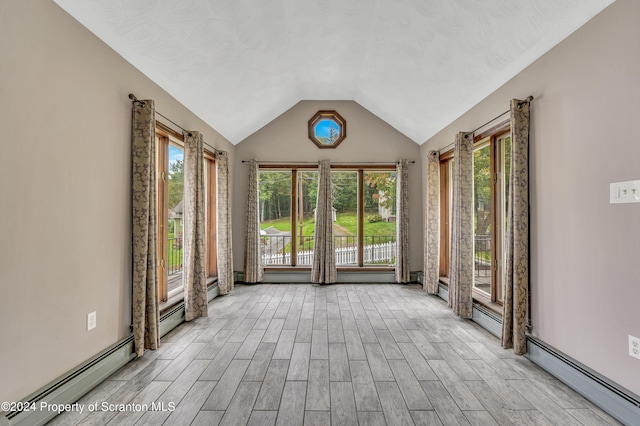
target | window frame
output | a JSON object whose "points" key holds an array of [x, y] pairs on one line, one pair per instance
{"points": [[211, 212], [498, 229], [360, 169], [165, 136]]}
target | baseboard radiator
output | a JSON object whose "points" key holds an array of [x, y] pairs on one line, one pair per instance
{"points": [[344, 277], [73, 385], [620, 403]]}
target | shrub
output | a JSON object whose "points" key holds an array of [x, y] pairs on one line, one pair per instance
{"points": [[372, 218]]}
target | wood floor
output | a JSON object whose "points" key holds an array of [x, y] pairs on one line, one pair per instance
{"points": [[343, 354]]}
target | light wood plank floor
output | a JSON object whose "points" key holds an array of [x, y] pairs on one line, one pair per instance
{"points": [[344, 354]]}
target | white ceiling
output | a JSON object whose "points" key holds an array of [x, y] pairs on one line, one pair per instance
{"points": [[416, 64]]}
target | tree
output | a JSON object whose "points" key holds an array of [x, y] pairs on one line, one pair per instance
{"points": [[380, 190], [274, 195], [176, 183], [344, 190], [482, 190], [333, 134]]}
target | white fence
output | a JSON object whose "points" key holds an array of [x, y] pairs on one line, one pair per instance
{"points": [[373, 254]]}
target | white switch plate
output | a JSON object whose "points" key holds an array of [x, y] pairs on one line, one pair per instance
{"points": [[634, 347], [91, 321], [624, 192]]}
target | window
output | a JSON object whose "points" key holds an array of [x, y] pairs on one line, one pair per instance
{"points": [[491, 160], [211, 242], [379, 225], [363, 215], [327, 129], [170, 213]]}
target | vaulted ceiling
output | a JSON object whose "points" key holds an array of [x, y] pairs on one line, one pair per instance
{"points": [[416, 64]]}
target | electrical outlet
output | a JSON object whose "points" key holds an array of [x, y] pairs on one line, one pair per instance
{"points": [[91, 321], [634, 347]]}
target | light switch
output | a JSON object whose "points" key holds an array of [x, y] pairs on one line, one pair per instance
{"points": [[624, 192]]}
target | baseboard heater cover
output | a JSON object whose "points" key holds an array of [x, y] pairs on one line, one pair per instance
{"points": [[487, 320], [72, 386], [75, 384], [344, 277], [619, 402]]}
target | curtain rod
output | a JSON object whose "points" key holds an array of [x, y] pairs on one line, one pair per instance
{"points": [[336, 162], [135, 99], [527, 100]]}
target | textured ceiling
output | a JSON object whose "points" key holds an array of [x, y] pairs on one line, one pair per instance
{"points": [[416, 64]]}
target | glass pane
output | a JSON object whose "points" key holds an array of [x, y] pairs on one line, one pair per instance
{"points": [[482, 218], [175, 216], [210, 219], [305, 222], [275, 216], [504, 144], [344, 187], [379, 227]]}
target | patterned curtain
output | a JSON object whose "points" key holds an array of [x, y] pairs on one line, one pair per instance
{"points": [[324, 257], [461, 264], [144, 230], [253, 270], [514, 318], [195, 282], [432, 225], [402, 226], [225, 256]]}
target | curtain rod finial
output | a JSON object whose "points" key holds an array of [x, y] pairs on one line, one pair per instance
{"points": [[135, 99]]}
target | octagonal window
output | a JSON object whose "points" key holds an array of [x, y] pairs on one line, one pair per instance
{"points": [[327, 129]]}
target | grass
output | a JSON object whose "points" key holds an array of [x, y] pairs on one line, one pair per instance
{"points": [[348, 221], [279, 224]]}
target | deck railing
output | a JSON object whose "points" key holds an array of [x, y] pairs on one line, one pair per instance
{"points": [[377, 249], [174, 256], [482, 256]]}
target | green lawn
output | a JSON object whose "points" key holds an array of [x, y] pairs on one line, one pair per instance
{"points": [[348, 221]]}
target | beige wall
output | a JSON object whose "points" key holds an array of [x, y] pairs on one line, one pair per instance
{"points": [[584, 252], [368, 139], [64, 192]]}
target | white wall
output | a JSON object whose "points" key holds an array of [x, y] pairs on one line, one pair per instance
{"points": [[64, 192], [286, 139], [585, 281]]}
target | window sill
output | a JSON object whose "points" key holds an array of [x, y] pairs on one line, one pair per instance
{"points": [[480, 299], [176, 299], [485, 301]]}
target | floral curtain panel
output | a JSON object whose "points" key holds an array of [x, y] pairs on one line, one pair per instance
{"points": [[224, 253], [402, 228], [324, 259], [432, 225], [146, 317], [461, 259], [253, 269], [194, 275], [514, 318]]}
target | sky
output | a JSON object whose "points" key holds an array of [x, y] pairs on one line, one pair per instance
{"points": [[323, 126], [175, 154]]}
